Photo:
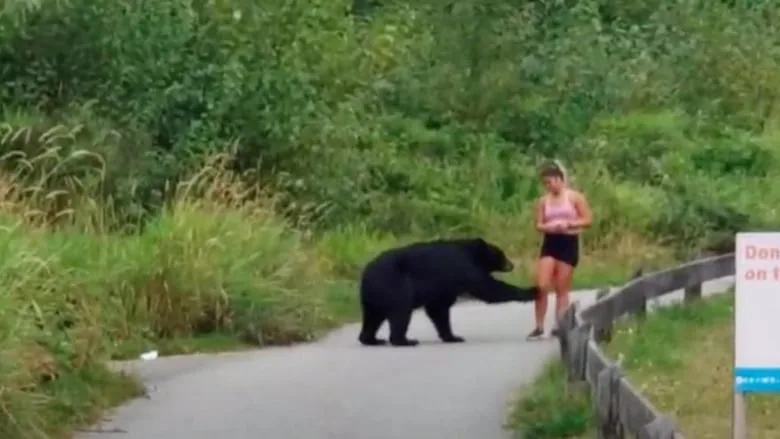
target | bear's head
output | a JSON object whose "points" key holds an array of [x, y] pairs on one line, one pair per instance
{"points": [[488, 256]]}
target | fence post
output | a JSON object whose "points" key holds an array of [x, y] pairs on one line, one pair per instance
{"points": [[661, 427], [692, 293], [607, 386], [576, 379], [639, 272], [641, 312], [566, 323], [602, 330], [578, 351]]}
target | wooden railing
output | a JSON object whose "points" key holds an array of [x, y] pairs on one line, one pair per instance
{"points": [[621, 409]]}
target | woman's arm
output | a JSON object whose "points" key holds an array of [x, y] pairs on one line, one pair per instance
{"points": [[583, 209]]}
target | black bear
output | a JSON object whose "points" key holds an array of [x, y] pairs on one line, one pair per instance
{"points": [[431, 275]]}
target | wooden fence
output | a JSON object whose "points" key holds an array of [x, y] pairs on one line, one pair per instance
{"points": [[621, 409]]}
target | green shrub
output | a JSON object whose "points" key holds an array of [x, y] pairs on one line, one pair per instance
{"points": [[413, 118], [546, 410]]}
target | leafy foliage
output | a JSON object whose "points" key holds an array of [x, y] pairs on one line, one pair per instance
{"points": [[356, 124], [418, 116]]}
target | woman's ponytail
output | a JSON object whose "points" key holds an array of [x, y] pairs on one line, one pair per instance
{"points": [[564, 173]]}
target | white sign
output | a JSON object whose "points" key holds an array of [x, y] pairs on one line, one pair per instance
{"points": [[757, 312]]}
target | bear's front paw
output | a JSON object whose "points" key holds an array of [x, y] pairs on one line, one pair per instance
{"points": [[453, 339], [407, 342]]}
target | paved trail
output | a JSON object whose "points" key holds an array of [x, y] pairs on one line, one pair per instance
{"points": [[336, 389]]}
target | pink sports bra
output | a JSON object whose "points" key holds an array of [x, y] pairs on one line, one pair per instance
{"points": [[562, 211]]}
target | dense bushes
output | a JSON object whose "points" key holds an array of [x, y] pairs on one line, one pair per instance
{"points": [[419, 116], [363, 125]]}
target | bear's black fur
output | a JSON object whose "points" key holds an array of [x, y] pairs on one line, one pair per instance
{"points": [[431, 275]]}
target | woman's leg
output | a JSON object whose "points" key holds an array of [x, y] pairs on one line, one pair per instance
{"points": [[562, 285], [544, 280]]}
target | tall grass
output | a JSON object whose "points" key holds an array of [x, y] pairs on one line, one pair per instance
{"points": [[75, 293]]}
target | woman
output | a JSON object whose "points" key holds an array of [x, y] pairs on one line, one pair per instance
{"points": [[561, 214]]}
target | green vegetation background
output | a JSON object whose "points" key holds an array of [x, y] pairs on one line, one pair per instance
{"points": [[177, 170]]}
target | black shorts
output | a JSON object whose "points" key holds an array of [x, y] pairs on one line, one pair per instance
{"points": [[561, 247]]}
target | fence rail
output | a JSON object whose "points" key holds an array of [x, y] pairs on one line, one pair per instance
{"points": [[621, 409]]}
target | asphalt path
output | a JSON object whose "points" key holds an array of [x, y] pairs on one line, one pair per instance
{"points": [[336, 389]]}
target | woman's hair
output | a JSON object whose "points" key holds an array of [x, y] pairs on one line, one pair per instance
{"points": [[553, 168]]}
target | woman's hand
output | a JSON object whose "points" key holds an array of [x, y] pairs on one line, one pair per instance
{"points": [[569, 225], [563, 226], [560, 226], [556, 226]]}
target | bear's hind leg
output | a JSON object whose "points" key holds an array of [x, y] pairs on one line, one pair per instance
{"points": [[372, 320], [399, 324], [440, 316]]}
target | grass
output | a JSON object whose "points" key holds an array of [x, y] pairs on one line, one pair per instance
{"points": [[680, 357], [682, 360], [548, 409]]}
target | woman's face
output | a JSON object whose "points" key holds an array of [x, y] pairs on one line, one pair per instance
{"points": [[552, 183]]}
